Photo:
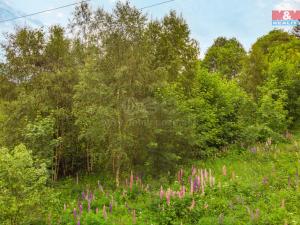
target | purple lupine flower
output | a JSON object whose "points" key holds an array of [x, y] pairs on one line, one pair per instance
{"points": [[91, 196], [198, 181], [74, 213], [78, 222], [80, 208], [83, 195], [110, 207], [195, 185]]}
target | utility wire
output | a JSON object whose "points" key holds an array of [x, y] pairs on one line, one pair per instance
{"points": [[44, 11], [64, 6], [157, 4]]}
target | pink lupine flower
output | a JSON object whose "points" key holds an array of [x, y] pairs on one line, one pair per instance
{"points": [[97, 210], [179, 176], [168, 197], [80, 208], [182, 192], [131, 181], [205, 175], [78, 222], [192, 186], [161, 193], [104, 212], [89, 205]]}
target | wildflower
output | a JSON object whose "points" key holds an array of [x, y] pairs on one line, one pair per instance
{"points": [[110, 207], [78, 222], [97, 210], [89, 206], [80, 208], [168, 197], [91, 196], [74, 213], [104, 212], [161, 193], [179, 176], [202, 178], [205, 175], [192, 186], [198, 181], [131, 181], [83, 195], [195, 185], [181, 192]]}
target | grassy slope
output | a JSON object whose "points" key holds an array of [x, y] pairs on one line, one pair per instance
{"points": [[259, 188]]}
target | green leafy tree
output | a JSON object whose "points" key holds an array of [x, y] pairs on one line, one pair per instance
{"points": [[24, 197], [225, 56]]}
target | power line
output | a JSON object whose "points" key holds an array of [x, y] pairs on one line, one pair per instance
{"points": [[64, 6], [44, 11], [157, 4]]}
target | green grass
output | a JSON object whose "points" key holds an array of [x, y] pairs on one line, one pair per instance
{"points": [[259, 188]]}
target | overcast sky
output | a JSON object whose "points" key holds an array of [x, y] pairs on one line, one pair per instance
{"points": [[244, 19]]}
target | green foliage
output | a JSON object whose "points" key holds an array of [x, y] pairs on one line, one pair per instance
{"points": [[122, 92], [23, 193], [225, 56]]}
